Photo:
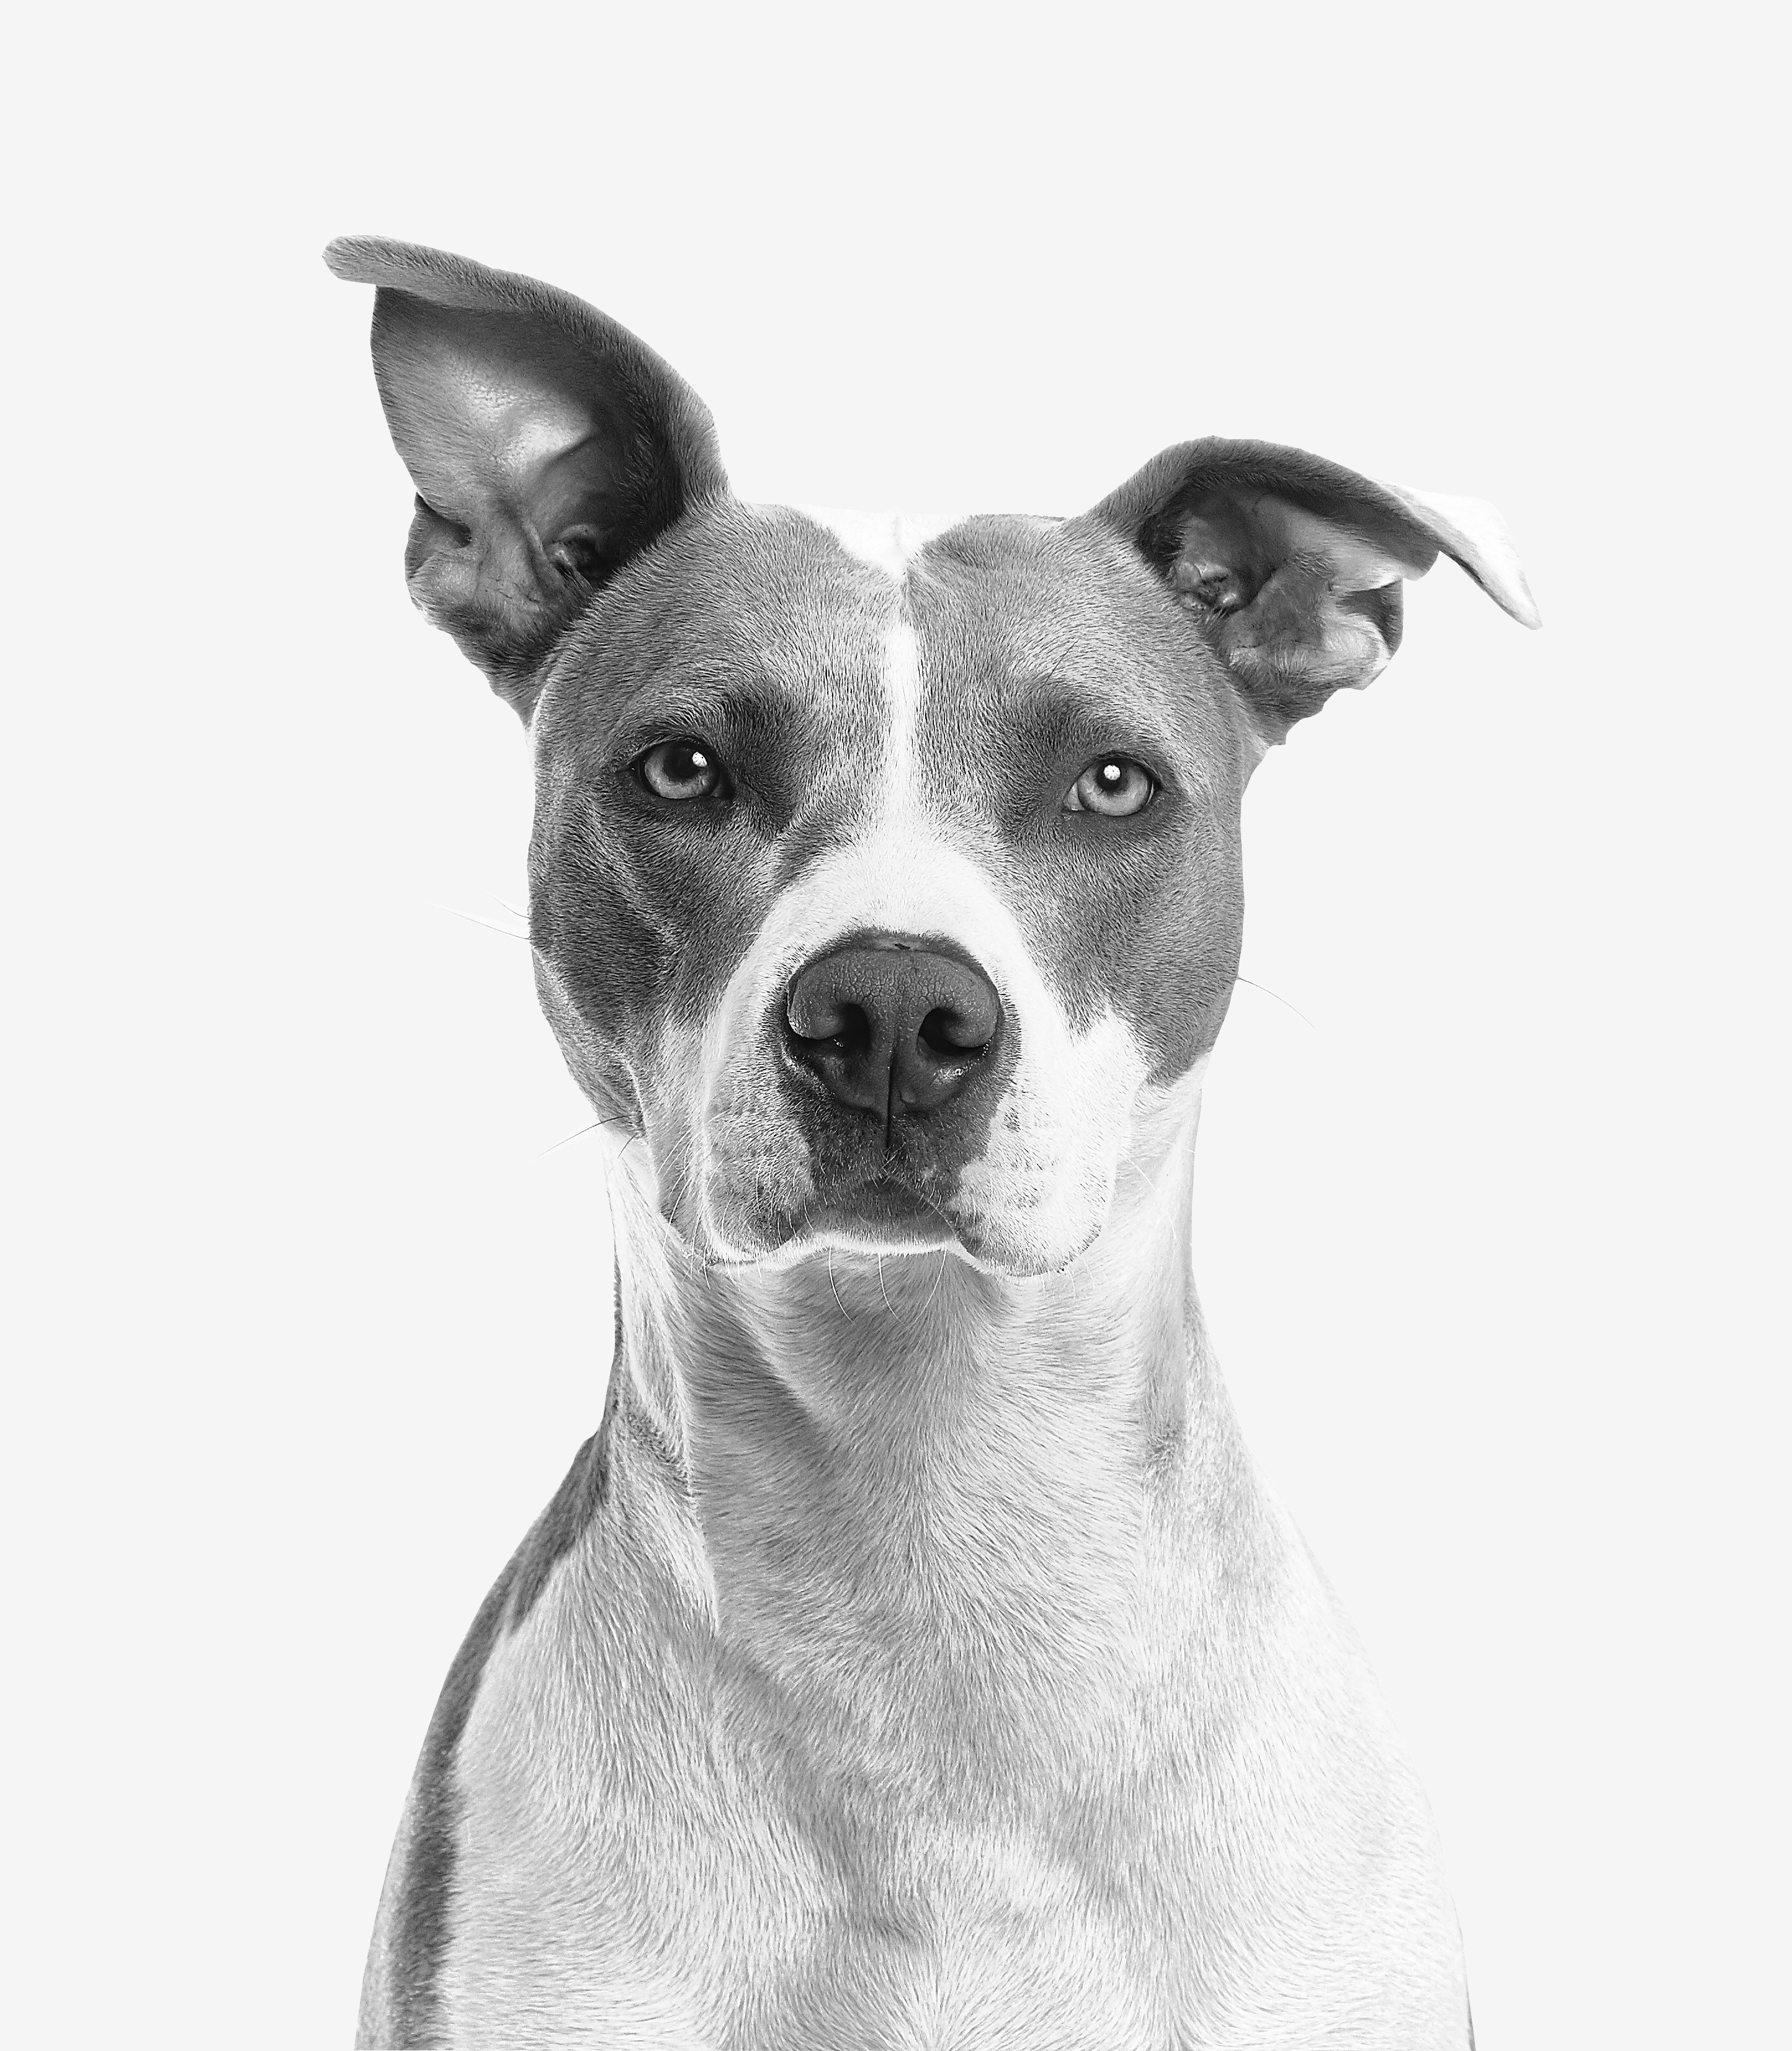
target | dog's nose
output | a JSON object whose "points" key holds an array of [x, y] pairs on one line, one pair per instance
{"points": [[887, 1024]]}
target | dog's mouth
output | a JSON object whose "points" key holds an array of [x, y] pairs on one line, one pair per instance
{"points": [[880, 1211]]}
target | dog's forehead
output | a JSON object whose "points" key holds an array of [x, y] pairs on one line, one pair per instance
{"points": [[798, 603], [885, 541]]}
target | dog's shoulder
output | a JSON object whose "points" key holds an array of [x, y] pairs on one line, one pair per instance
{"points": [[410, 1938]]}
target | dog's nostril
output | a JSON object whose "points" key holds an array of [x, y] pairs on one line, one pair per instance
{"points": [[843, 1025], [817, 1014], [946, 1030]]}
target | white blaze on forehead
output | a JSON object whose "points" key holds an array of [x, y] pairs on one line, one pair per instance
{"points": [[901, 679], [888, 541]]}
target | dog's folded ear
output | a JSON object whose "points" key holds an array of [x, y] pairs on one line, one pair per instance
{"points": [[547, 445], [1292, 566]]}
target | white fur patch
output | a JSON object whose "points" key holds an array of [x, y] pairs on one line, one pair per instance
{"points": [[1476, 531], [888, 541], [902, 680], [1041, 1186]]}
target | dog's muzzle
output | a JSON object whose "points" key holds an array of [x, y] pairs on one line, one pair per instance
{"points": [[893, 1049]]}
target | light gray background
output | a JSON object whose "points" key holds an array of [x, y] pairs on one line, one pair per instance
{"points": [[308, 1323]]}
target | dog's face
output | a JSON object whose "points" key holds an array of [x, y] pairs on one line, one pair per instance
{"points": [[881, 879], [986, 791]]}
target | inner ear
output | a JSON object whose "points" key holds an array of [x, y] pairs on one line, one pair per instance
{"points": [[548, 446], [1292, 566], [1210, 557], [500, 421], [1221, 548], [1298, 603], [580, 551]]}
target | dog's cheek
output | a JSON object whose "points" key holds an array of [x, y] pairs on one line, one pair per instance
{"points": [[1039, 1192], [737, 1174], [599, 964], [598, 1063], [1184, 964], [1149, 934], [644, 923], [757, 1184]]}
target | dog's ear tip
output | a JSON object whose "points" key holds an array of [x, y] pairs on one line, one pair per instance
{"points": [[1512, 596], [365, 260], [346, 256]]}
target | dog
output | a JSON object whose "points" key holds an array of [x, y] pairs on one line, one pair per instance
{"points": [[912, 1657]]}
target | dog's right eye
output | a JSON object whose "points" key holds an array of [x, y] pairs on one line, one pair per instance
{"points": [[687, 768]]}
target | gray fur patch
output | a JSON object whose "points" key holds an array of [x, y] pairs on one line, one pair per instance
{"points": [[421, 1933]]}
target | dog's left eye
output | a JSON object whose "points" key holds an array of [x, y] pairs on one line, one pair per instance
{"points": [[1113, 787], [686, 768]]}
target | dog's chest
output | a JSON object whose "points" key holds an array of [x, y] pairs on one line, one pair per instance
{"points": [[687, 1851], [656, 1850], [755, 1939]]}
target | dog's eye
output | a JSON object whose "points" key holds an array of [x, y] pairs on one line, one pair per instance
{"points": [[1113, 787], [683, 769]]}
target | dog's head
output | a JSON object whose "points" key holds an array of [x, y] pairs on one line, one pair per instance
{"points": [[883, 873]]}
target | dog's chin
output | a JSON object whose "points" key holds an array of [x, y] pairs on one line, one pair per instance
{"points": [[881, 1216], [885, 1218]]}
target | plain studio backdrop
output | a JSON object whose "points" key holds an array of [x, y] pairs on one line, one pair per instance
{"points": [[309, 1306]]}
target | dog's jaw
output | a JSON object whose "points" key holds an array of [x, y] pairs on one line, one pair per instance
{"points": [[812, 1406]]}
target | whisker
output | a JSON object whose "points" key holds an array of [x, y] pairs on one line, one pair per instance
{"points": [[1281, 1000], [834, 1285], [473, 919], [890, 1306], [612, 1165], [939, 1276], [583, 1132]]}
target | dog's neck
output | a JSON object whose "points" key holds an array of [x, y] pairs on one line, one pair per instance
{"points": [[911, 1491]]}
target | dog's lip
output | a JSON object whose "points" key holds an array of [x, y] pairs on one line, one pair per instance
{"points": [[883, 1197], [880, 1206]]}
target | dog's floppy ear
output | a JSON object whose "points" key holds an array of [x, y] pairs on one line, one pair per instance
{"points": [[1292, 566], [547, 445]]}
